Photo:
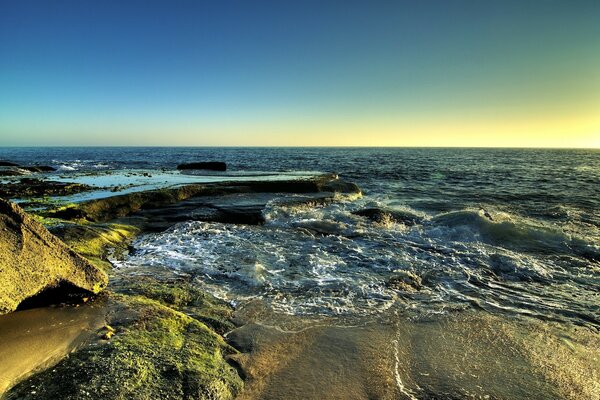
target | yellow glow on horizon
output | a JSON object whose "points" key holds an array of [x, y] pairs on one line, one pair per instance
{"points": [[558, 130]]}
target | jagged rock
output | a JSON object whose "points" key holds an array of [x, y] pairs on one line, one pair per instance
{"points": [[33, 261], [210, 165]]}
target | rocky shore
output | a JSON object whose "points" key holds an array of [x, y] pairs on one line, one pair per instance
{"points": [[160, 337]]}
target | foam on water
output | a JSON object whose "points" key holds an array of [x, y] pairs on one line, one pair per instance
{"points": [[325, 260]]}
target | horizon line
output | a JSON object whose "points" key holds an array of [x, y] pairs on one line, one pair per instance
{"points": [[308, 147]]}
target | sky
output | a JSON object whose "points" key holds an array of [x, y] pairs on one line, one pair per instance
{"points": [[300, 73]]}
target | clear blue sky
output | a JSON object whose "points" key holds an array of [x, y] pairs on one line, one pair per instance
{"points": [[300, 73]]}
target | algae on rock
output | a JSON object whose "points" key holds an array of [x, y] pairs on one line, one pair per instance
{"points": [[96, 241], [156, 353], [33, 260]]}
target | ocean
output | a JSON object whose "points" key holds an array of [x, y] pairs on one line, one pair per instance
{"points": [[509, 231], [458, 274]]}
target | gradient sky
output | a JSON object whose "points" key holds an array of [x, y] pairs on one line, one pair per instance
{"points": [[390, 73]]}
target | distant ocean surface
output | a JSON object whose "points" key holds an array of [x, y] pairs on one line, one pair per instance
{"points": [[505, 230]]}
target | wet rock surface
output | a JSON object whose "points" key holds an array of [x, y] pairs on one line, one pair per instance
{"points": [[31, 187], [13, 171], [162, 334], [39, 168], [207, 165], [154, 352], [33, 260], [230, 202], [380, 215]]}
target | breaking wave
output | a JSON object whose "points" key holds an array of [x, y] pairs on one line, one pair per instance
{"points": [[326, 260]]}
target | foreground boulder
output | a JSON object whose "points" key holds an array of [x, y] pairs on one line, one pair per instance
{"points": [[33, 261], [210, 165]]}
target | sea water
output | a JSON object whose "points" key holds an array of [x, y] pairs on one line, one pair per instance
{"points": [[506, 234]]}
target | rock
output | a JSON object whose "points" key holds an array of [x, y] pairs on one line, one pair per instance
{"points": [[210, 165], [106, 209], [40, 168], [8, 164], [96, 241], [12, 171], [33, 261], [158, 353], [29, 187], [379, 215], [405, 281]]}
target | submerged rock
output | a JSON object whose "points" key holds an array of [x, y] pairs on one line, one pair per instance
{"points": [[405, 281], [379, 215], [33, 261], [209, 165]]}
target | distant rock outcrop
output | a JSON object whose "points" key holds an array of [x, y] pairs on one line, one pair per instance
{"points": [[13, 171], [8, 164], [40, 168], [34, 262], [209, 165]]}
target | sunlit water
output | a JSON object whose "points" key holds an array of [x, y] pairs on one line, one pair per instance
{"points": [[484, 286], [508, 231]]}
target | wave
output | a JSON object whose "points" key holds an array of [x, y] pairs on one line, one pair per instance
{"points": [[521, 235]]}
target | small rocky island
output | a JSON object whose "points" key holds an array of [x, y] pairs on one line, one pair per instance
{"points": [[152, 337]]}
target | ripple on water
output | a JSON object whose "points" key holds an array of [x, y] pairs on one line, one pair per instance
{"points": [[325, 260]]}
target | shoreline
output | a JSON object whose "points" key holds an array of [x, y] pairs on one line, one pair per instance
{"points": [[171, 336], [87, 228]]}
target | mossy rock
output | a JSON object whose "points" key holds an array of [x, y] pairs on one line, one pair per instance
{"points": [[110, 208], [32, 260], [156, 353], [181, 295], [96, 241]]}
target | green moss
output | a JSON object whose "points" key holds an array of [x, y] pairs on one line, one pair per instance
{"points": [[182, 296], [157, 353], [96, 241], [48, 222]]}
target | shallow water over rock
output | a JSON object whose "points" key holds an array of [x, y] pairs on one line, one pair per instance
{"points": [[458, 356], [36, 338]]}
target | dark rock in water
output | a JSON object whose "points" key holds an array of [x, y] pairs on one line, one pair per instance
{"points": [[206, 202], [29, 187], [8, 164], [405, 281], [32, 261], [380, 215], [209, 165], [40, 168], [12, 171]]}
